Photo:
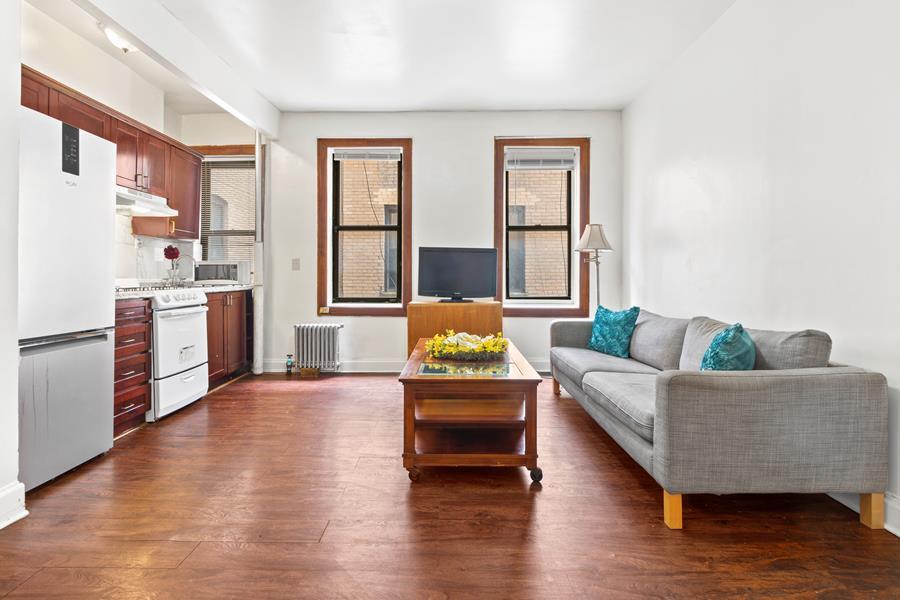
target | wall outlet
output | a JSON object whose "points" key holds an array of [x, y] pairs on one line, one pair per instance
{"points": [[295, 264]]}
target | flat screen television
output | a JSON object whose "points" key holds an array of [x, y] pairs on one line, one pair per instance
{"points": [[458, 273]]}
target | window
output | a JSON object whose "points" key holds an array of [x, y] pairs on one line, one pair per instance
{"points": [[228, 208], [541, 205], [364, 224]]}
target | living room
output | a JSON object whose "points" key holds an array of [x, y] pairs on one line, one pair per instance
{"points": [[684, 209]]}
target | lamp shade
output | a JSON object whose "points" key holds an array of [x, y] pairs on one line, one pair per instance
{"points": [[593, 238]]}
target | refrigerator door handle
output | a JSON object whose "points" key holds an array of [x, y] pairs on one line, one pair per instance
{"points": [[64, 339]]}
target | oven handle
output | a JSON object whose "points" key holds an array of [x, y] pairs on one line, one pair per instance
{"points": [[181, 312]]}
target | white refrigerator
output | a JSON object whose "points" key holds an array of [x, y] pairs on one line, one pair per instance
{"points": [[66, 296]]}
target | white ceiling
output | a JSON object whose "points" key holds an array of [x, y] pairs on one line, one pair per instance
{"points": [[447, 54], [179, 95]]}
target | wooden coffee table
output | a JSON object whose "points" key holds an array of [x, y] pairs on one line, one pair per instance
{"points": [[458, 413]]}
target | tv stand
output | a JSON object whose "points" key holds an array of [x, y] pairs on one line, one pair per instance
{"points": [[424, 319]]}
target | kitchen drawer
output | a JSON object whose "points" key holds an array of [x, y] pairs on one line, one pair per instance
{"points": [[137, 309], [132, 370], [133, 397], [132, 339]]}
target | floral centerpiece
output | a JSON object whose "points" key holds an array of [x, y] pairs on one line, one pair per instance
{"points": [[172, 253], [466, 346]]}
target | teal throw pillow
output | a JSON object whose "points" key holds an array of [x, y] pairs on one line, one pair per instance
{"points": [[612, 331], [731, 350]]}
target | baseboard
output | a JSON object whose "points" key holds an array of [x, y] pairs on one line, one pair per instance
{"points": [[12, 503], [891, 508], [382, 366]]}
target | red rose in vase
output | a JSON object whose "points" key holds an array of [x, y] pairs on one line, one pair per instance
{"points": [[171, 252]]}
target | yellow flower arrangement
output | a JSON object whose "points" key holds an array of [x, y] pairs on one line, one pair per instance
{"points": [[465, 346]]}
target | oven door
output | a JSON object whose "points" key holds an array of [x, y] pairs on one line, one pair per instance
{"points": [[179, 340]]}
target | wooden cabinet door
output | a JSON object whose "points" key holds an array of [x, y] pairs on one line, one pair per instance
{"points": [[128, 154], [35, 96], [79, 114], [184, 193], [235, 333], [155, 164], [215, 335]]}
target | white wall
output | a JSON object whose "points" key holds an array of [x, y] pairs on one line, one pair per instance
{"points": [[215, 129], [762, 181], [12, 492], [452, 204], [57, 52]]}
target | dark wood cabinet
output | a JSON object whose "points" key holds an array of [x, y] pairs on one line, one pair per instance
{"points": [[155, 158], [79, 114], [133, 367], [215, 335], [128, 154], [235, 333], [184, 193], [227, 335], [35, 95], [146, 159]]}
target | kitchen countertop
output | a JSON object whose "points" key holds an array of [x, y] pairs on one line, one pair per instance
{"points": [[208, 289]]}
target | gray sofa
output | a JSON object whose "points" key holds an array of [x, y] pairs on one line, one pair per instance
{"points": [[794, 424]]}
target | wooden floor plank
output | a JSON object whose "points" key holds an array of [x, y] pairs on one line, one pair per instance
{"points": [[272, 488]]}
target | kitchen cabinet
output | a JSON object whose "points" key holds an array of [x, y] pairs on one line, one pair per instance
{"points": [[128, 154], [215, 335], [146, 159], [35, 95], [155, 158], [133, 367], [183, 195], [227, 334], [142, 160], [79, 114]]}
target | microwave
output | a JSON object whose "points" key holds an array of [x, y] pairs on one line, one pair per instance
{"points": [[222, 272]]}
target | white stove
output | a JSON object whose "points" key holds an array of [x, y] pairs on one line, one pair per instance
{"points": [[177, 298], [180, 368]]}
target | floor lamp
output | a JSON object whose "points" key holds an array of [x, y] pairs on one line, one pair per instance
{"points": [[593, 240]]}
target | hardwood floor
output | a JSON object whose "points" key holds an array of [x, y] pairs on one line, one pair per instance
{"points": [[271, 489]]}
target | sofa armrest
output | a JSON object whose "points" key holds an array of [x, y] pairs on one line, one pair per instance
{"points": [[574, 333], [797, 430]]}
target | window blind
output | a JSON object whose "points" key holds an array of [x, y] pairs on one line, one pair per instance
{"points": [[389, 154], [525, 159], [228, 209]]}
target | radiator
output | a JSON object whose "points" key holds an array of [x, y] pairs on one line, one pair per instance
{"points": [[317, 345]]}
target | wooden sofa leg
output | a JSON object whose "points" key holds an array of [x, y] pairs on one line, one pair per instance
{"points": [[871, 510], [672, 510], [555, 387]]}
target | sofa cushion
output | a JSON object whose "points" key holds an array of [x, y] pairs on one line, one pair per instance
{"points": [[807, 349], [629, 397], [657, 340], [731, 350], [612, 330], [697, 338], [575, 362]]}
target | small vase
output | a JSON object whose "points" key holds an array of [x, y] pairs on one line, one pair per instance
{"points": [[173, 275]]}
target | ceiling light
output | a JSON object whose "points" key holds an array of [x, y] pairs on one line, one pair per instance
{"points": [[116, 39]]}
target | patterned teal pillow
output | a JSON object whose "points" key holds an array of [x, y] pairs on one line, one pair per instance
{"points": [[612, 331], [731, 350]]}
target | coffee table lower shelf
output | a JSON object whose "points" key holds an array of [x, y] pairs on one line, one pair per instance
{"points": [[459, 442]]}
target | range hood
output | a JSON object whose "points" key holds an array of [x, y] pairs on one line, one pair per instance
{"points": [[142, 204]]}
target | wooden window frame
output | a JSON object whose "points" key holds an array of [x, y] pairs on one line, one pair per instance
{"points": [[323, 227], [584, 206]]}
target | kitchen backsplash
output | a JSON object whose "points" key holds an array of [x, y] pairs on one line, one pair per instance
{"points": [[141, 257]]}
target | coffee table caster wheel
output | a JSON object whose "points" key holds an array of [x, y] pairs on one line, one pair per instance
{"points": [[537, 474], [414, 474]]}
